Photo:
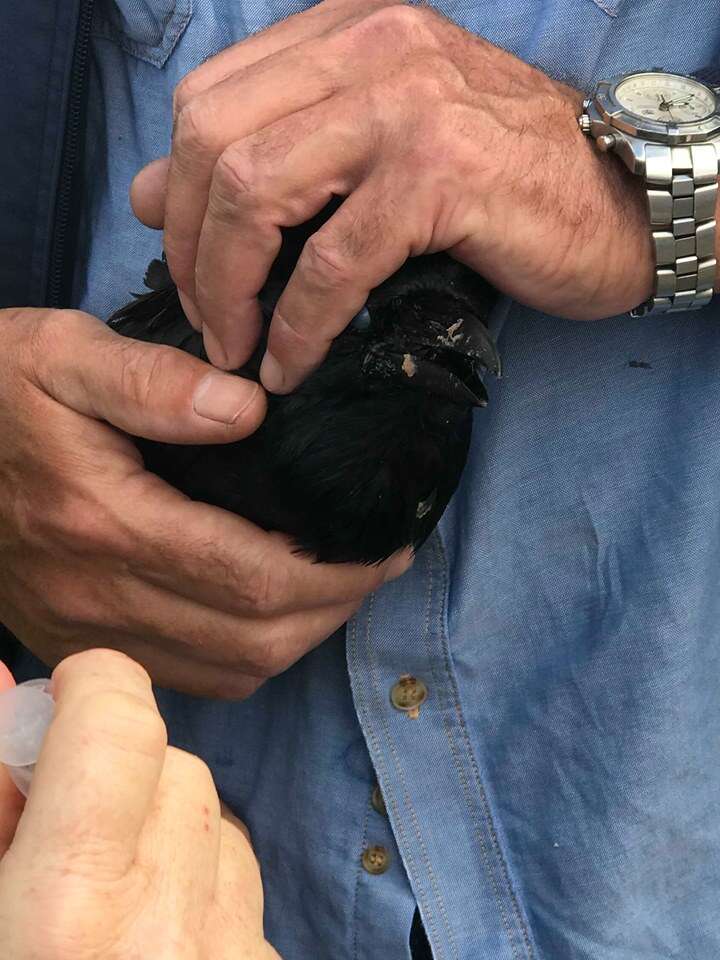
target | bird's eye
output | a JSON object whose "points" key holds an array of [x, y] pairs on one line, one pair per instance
{"points": [[361, 321]]}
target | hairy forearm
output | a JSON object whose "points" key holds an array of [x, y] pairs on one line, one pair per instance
{"points": [[642, 243], [612, 242]]}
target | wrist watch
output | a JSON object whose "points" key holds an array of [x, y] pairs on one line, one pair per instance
{"points": [[666, 129]]}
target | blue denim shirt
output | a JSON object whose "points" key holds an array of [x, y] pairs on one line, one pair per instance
{"points": [[558, 796]]}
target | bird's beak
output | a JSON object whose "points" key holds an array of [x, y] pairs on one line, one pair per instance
{"points": [[449, 366], [436, 378], [470, 337]]}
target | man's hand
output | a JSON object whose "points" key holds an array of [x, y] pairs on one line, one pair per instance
{"points": [[95, 550], [123, 849], [439, 141]]}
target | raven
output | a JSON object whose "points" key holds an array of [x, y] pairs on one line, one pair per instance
{"points": [[363, 457]]}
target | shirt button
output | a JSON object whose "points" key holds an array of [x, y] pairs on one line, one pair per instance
{"points": [[375, 859], [378, 801], [408, 694]]}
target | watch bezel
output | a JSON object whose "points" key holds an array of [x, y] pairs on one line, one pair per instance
{"points": [[615, 115]]}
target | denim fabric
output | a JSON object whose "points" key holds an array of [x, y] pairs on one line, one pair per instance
{"points": [[558, 797]]}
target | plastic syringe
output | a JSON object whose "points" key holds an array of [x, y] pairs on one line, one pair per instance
{"points": [[26, 712]]}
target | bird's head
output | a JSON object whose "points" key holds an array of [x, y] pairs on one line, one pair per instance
{"points": [[431, 342]]}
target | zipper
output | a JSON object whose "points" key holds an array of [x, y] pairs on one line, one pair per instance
{"points": [[58, 273]]}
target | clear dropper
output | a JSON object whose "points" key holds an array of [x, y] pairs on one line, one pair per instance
{"points": [[26, 712]]}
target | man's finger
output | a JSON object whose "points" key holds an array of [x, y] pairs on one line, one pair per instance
{"points": [[286, 33], [145, 389], [225, 562], [148, 193], [202, 639], [201, 651], [149, 188], [211, 122], [181, 844], [238, 879], [11, 800], [257, 188], [99, 767], [170, 667], [363, 243]]}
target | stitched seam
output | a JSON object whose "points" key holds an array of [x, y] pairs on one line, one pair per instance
{"points": [[158, 53], [447, 727], [496, 846], [105, 28], [487, 814], [400, 827], [382, 766], [356, 890], [426, 631], [611, 9], [483, 795]]}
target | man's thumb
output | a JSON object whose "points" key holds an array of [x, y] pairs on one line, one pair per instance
{"points": [[145, 389]]}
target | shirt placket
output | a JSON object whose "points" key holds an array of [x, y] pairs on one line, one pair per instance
{"points": [[407, 699]]}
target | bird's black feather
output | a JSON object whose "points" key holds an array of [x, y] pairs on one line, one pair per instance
{"points": [[364, 456]]}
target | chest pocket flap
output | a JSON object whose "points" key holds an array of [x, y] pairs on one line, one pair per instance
{"points": [[146, 29], [610, 7]]}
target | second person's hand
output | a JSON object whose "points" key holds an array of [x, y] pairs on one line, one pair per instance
{"points": [[123, 849]]}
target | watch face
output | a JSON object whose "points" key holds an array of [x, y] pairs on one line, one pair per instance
{"points": [[665, 98]]}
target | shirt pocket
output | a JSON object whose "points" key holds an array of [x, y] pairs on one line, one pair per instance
{"points": [[146, 29]]}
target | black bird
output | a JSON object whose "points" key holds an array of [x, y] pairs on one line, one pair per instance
{"points": [[362, 458]]}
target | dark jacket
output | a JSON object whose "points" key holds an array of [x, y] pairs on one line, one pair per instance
{"points": [[42, 78]]}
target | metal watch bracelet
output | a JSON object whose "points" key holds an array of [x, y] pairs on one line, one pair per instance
{"points": [[682, 194]]}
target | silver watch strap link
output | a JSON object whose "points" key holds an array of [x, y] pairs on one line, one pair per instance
{"points": [[682, 193]]}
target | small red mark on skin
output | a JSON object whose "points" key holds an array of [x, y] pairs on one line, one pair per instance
{"points": [[207, 827], [206, 810]]}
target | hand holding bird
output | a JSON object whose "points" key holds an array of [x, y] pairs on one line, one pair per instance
{"points": [[362, 458]]}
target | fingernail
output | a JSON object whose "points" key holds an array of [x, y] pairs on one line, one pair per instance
{"points": [[214, 349], [399, 565], [223, 398], [190, 310], [271, 374]]}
